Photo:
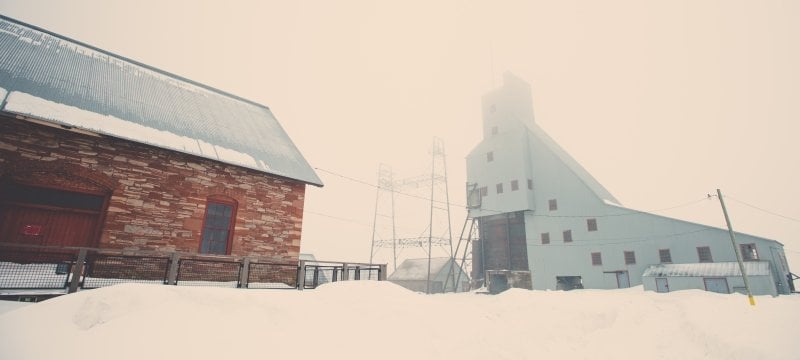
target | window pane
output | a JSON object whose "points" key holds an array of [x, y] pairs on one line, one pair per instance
{"points": [[217, 229], [596, 259], [567, 236], [591, 224], [748, 252], [630, 258], [704, 254], [665, 256]]}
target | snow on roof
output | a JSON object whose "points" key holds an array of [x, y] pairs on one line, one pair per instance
{"points": [[755, 268], [417, 269], [49, 77]]}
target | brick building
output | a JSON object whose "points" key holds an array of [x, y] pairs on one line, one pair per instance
{"points": [[97, 150]]}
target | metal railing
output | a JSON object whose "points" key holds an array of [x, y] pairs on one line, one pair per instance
{"points": [[25, 268]]}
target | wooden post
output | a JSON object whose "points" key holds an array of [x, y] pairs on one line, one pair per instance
{"points": [[77, 272], [382, 274], [245, 273], [301, 275], [736, 249], [345, 272], [172, 276]]}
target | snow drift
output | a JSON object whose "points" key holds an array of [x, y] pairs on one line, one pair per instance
{"points": [[379, 320]]}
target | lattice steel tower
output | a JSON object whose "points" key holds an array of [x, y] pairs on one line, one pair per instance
{"points": [[437, 236]]}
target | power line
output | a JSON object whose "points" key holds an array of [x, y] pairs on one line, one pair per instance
{"points": [[382, 187], [335, 217], [760, 209], [628, 212]]}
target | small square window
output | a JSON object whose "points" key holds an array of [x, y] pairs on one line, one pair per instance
{"points": [[567, 236], [514, 185], [749, 252], [530, 184], [545, 238], [597, 259], [500, 188], [494, 130], [591, 224], [704, 254], [484, 191], [664, 256], [552, 204], [489, 156], [630, 258]]}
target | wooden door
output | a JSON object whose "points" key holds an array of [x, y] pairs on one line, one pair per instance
{"points": [[47, 227], [49, 217]]}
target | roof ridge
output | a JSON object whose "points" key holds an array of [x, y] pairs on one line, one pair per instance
{"points": [[131, 61]]}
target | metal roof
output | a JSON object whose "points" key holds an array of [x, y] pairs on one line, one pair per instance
{"points": [[721, 269], [417, 269], [50, 77]]}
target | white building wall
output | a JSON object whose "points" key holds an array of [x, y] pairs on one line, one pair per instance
{"points": [[521, 150]]}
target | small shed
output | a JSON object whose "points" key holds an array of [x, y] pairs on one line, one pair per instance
{"points": [[412, 274], [721, 277]]}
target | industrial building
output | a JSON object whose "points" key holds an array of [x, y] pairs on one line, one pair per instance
{"points": [[538, 210]]}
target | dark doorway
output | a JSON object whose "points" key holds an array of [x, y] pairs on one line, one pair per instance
{"points": [[569, 282]]}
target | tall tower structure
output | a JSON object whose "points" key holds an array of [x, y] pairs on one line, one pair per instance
{"points": [[504, 169], [395, 215]]}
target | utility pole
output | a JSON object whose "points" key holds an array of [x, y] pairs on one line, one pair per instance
{"points": [[736, 248]]}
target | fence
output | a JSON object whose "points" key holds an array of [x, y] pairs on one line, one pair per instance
{"points": [[27, 268]]}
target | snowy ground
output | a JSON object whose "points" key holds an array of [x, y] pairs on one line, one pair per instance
{"points": [[371, 320]]}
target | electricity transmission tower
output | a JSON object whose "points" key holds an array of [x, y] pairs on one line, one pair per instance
{"points": [[437, 235]]}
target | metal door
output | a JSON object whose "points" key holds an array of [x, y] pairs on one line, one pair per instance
{"points": [[661, 285], [717, 285], [623, 281]]}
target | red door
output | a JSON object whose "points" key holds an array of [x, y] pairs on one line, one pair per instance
{"points": [[48, 227], [48, 217]]}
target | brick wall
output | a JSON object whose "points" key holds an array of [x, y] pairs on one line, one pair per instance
{"points": [[157, 197]]}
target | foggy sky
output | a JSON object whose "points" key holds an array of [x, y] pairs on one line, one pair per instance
{"points": [[662, 102]]}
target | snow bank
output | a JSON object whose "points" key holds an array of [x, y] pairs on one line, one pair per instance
{"points": [[365, 319]]}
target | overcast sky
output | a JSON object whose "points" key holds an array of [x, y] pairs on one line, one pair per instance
{"points": [[662, 101]]}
